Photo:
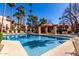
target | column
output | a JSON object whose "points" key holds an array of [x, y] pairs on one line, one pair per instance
{"points": [[55, 29], [39, 29], [46, 29], [26, 28]]}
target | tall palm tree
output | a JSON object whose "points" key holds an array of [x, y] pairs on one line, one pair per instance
{"points": [[30, 4], [4, 11], [30, 17], [17, 15], [35, 23], [22, 12], [11, 5], [43, 21], [34, 20], [20, 15]]}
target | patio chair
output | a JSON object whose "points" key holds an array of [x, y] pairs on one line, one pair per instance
{"points": [[1, 47], [75, 42]]}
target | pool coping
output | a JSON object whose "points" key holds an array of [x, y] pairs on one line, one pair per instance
{"points": [[53, 35], [12, 48], [65, 47], [38, 34], [56, 35]]}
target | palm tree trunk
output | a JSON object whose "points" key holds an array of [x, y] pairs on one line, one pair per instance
{"points": [[4, 10], [23, 21], [18, 23], [11, 17], [31, 26], [11, 12]]}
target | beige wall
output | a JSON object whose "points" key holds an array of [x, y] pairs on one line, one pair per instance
{"points": [[5, 22]]}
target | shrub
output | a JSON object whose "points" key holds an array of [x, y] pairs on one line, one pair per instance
{"points": [[60, 30], [77, 31], [1, 37]]}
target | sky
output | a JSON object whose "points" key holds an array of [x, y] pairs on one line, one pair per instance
{"points": [[51, 11]]}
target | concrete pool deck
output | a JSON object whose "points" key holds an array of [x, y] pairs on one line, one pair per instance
{"points": [[12, 48], [61, 50]]}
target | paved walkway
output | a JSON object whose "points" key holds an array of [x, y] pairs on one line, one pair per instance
{"points": [[61, 50], [12, 48]]}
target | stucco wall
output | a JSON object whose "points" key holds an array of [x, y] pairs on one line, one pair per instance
{"points": [[5, 22]]}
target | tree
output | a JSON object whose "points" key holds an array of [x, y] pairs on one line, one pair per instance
{"points": [[22, 12], [70, 15], [30, 16], [43, 21], [29, 19], [30, 4], [20, 15], [32, 21], [11, 5], [17, 15], [4, 12]]}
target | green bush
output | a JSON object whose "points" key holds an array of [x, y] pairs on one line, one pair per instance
{"points": [[60, 30], [76, 31], [1, 37]]}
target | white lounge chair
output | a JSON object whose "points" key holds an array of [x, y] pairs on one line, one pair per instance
{"points": [[75, 42]]}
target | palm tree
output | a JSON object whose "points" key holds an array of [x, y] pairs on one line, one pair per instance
{"points": [[30, 4], [30, 16], [22, 12], [20, 15], [17, 15], [11, 5], [4, 11], [43, 21], [34, 20]]}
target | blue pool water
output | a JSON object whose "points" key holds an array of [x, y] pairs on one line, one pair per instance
{"points": [[36, 45]]}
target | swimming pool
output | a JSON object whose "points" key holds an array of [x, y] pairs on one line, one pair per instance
{"points": [[36, 45]]}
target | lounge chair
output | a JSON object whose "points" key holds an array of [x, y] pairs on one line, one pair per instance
{"points": [[2, 53], [75, 42], [1, 46]]}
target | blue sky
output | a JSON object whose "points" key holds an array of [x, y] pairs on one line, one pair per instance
{"points": [[51, 11]]}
